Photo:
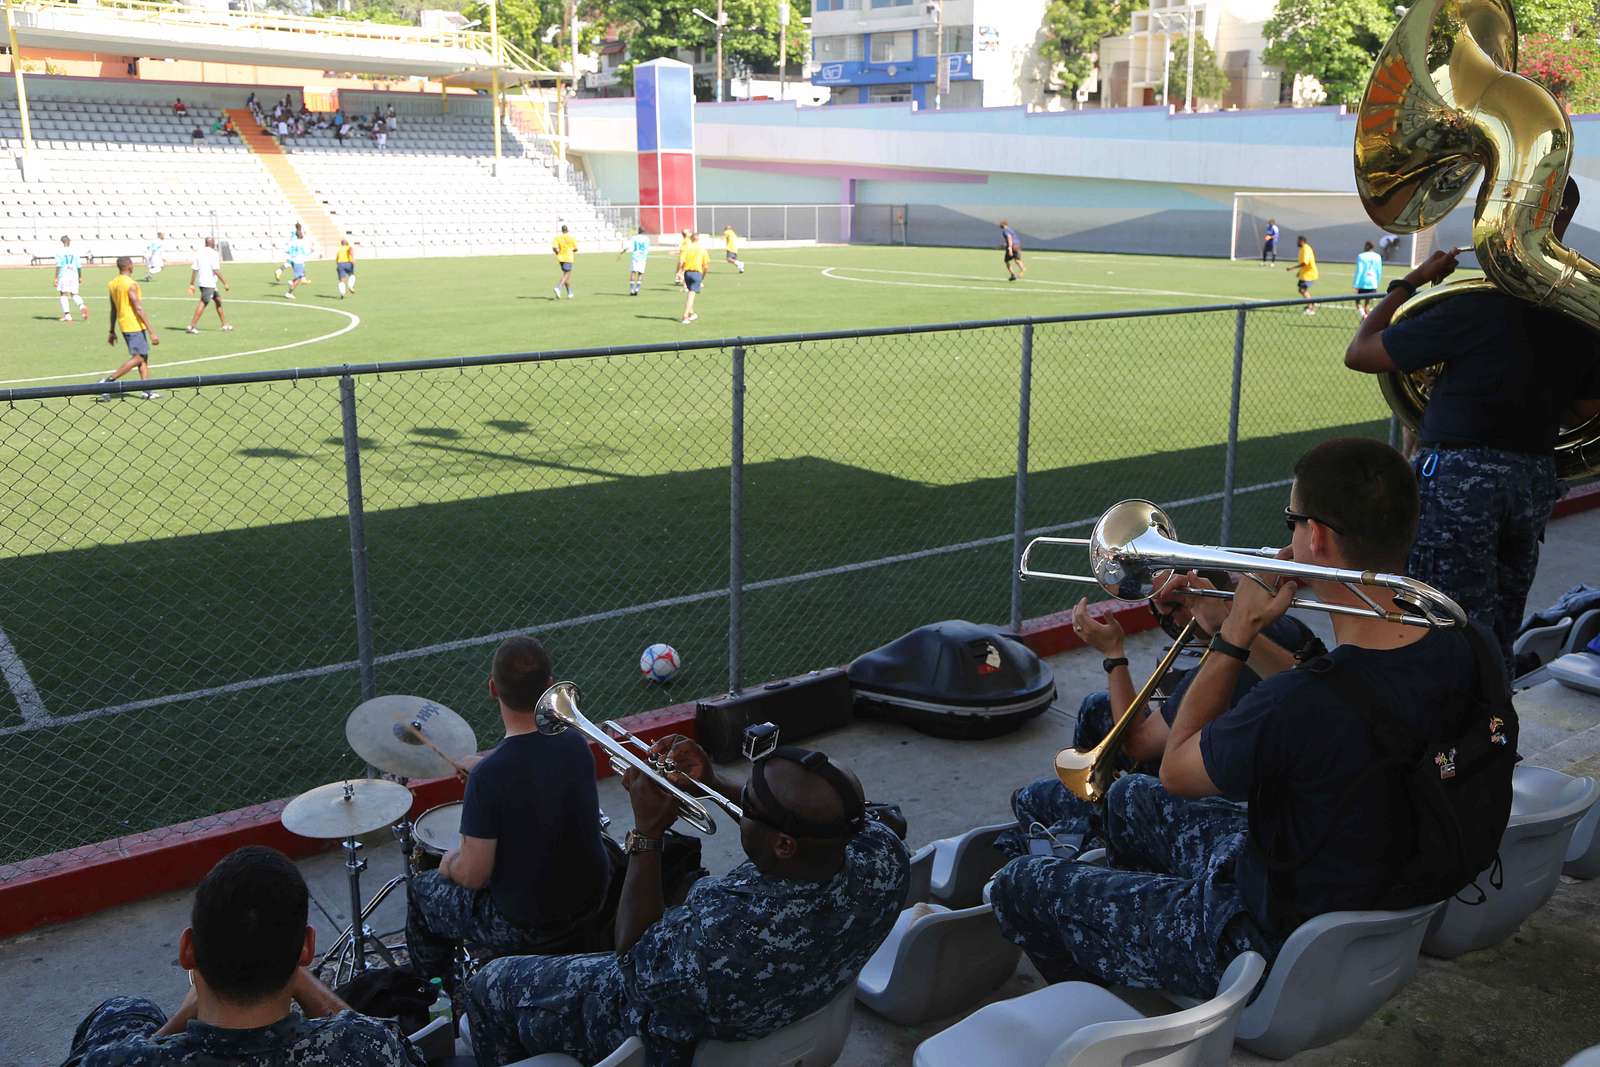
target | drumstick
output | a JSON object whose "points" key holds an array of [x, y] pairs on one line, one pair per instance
{"points": [[411, 728]]}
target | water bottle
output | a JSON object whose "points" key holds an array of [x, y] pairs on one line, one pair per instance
{"points": [[440, 1008]]}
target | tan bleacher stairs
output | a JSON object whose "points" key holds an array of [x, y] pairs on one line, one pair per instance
{"points": [[320, 227]]}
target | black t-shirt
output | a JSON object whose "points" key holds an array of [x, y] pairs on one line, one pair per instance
{"points": [[1285, 631], [1295, 734], [1510, 370], [535, 795]]}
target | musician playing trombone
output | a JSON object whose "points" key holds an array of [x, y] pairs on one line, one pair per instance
{"points": [[531, 807], [1188, 887], [1050, 818]]}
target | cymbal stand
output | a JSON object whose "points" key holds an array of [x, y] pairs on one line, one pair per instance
{"points": [[348, 952]]}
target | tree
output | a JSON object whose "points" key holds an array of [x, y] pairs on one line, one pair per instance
{"points": [[1561, 18], [1209, 80], [1073, 29], [1335, 41], [1569, 69], [659, 28], [539, 27]]}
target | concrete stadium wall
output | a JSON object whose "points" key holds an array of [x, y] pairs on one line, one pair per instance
{"points": [[1135, 180], [212, 96]]}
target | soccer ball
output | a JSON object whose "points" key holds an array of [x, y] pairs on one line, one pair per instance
{"points": [[659, 663]]}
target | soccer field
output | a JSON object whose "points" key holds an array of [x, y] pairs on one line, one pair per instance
{"points": [[177, 636]]}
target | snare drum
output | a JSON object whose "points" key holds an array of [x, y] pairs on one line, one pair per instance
{"points": [[437, 831]]}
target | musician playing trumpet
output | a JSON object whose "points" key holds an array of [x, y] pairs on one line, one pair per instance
{"points": [[1188, 887]]}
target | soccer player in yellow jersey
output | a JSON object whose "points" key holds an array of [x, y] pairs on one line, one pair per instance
{"points": [[127, 315], [1306, 265], [730, 242], [344, 264], [692, 263], [566, 250], [685, 239]]}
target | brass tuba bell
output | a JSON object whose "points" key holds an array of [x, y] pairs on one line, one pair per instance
{"points": [[1441, 104]]}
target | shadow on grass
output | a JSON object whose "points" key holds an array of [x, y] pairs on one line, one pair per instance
{"points": [[599, 570]]}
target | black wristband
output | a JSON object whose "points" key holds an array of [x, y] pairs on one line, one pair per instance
{"points": [[1401, 283], [1228, 648], [1110, 664]]}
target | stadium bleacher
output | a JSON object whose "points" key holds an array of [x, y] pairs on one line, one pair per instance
{"points": [[115, 172]]}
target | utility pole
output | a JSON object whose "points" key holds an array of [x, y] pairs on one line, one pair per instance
{"points": [[494, 82], [1188, 82], [941, 75], [22, 93], [722, 20], [783, 47]]}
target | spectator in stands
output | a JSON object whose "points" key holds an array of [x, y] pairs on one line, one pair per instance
{"points": [[304, 112], [282, 129], [179, 107], [197, 133], [246, 949], [299, 127], [390, 120], [250, 101], [228, 128], [217, 123], [381, 135], [748, 953], [338, 118]]}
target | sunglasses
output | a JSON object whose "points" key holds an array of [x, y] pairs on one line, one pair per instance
{"points": [[1292, 518]]}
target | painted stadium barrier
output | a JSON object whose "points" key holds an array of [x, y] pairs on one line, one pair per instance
{"points": [[199, 588]]}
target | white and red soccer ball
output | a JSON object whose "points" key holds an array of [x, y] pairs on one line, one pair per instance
{"points": [[659, 663]]}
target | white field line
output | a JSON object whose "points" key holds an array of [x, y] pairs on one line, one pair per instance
{"points": [[21, 685], [582, 620], [1066, 288], [158, 364]]}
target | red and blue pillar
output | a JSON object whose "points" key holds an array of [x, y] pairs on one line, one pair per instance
{"points": [[664, 110]]}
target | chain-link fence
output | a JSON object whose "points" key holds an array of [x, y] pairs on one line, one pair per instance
{"points": [[198, 588]]}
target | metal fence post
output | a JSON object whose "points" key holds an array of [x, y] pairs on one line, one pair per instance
{"points": [[1231, 462], [736, 527], [358, 537], [1019, 516]]}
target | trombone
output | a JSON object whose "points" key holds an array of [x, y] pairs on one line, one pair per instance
{"points": [[557, 711], [1134, 548]]}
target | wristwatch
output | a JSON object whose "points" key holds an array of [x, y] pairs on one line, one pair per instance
{"points": [[636, 843], [1401, 283], [1110, 664], [1228, 648]]}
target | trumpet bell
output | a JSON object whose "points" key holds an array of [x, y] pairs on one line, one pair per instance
{"points": [[557, 709], [1113, 548]]}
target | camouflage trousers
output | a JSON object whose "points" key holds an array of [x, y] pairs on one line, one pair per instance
{"points": [[527, 1005], [116, 1019], [441, 915], [1166, 914], [1050, 804], [1483, 515]]}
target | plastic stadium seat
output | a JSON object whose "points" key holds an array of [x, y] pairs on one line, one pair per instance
{"points": [[936, 961], [1546, 808], [962, 865], [1589, 1057], [1577, 670], [1583, 854], [1079, 1024]]}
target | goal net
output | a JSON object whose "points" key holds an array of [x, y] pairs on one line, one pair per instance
{"points": [[1337, 226]]}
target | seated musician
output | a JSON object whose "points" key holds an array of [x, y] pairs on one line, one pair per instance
{"points": [[1045, 809], [246, 951], [1188, 888], [531, 866], [750, 952]]}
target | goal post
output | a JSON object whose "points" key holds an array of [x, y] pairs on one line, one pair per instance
{"points": [[1337, 226]]}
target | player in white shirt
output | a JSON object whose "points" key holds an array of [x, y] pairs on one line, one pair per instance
{"points": [[638, 252], [206, 274], [68, 268], [155, 257]]}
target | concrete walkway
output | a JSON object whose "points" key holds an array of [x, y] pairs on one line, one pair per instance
{"points": [[1531, 1000]]}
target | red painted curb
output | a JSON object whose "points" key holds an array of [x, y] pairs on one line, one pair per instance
{"points": [[1582, 498]]}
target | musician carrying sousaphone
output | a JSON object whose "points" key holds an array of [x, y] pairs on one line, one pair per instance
{"points": [[531, 808], [1194, 880]]}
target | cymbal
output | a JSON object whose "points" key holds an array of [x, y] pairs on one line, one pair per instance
{"points": [[347, 809], [377, 731]]}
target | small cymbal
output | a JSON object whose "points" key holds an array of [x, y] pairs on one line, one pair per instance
{"points": [[346, 809], [377, 731]]}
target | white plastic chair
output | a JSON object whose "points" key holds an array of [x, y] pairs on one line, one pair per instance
{"points": [[1577, 670], [1078, 1024], [1546, 807], [936, 962], [1589, 1057], [962, 865], [1583, 854]]}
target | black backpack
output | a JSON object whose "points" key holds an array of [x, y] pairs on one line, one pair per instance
{"points": [[1450, 795]]}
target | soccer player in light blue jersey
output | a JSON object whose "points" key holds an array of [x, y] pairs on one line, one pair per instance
{"points": [[68, 268], [1369, 275], [295, 255], [298, 235], [638, 251]]}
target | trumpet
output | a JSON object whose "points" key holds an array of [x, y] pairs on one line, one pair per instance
{"points": [[1132, 550], [557, 711]]}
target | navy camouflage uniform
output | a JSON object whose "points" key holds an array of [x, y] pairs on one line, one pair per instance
{"points": [[1051, 805], [117, 1034], [1167, 915], [441, 914], [743, 956]]}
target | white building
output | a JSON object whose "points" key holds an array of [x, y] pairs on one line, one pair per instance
{"points": [[1133, 66], [886, 51]]}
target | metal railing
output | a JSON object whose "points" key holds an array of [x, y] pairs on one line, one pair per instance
{"points": [[822, 223], [199, 587]]}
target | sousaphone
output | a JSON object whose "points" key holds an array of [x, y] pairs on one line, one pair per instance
{"points": [[1442, 104]]}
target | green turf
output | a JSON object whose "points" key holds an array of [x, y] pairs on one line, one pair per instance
{"points": [[152, 548]]}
